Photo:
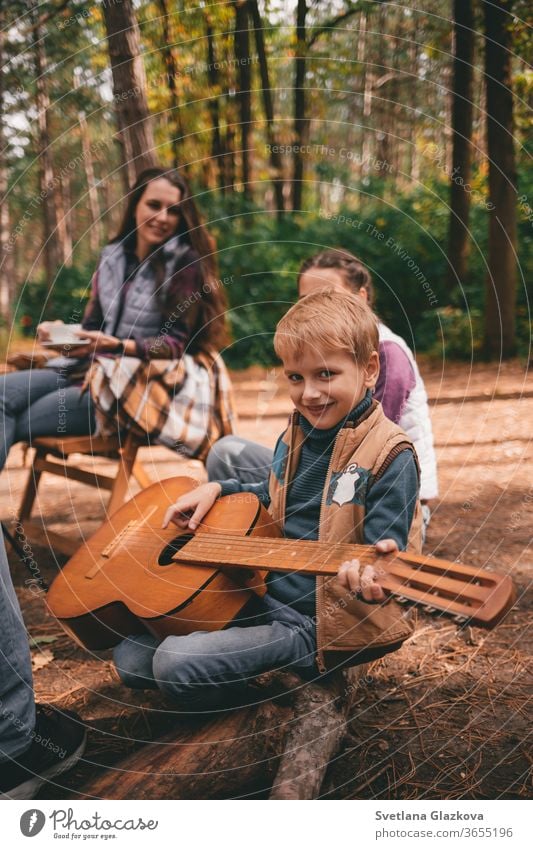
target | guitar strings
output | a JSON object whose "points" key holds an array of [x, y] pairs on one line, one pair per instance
{"points": [[307, 546], [364, 550], [302, 550]]}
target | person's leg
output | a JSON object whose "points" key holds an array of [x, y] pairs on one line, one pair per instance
{"points": [[133, 659], [17, 706], [18, 390], [234, 457], [208, 670], [37, 742], [67, 411], [39, 402]]}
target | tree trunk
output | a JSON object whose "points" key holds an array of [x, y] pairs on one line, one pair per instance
{"points": [[413, 160], [7, 265], [412, 167], [244, 77], [462, 113], [501, 281], [62, 206], [217, 151], [282, 745], [266, 92], [229, 151], [356, 130], [94, 206], [171, 66], [386, 113], [368, 85], [301, 121], [129, 88], [51, 252]]}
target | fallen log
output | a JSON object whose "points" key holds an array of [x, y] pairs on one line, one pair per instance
{"points": [[321, 715], [281, 746]]}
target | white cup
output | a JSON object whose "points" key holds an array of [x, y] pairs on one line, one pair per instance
{"points": [[63, 334]]}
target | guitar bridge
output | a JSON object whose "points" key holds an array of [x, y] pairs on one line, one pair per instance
{"points": [[109, 549]]}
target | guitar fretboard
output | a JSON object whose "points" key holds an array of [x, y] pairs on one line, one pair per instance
{"points": [[276, 555]]}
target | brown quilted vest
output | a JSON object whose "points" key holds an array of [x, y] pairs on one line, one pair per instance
{"points": [[350, 631]]}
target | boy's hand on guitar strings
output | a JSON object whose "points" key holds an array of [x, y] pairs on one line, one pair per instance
{"points": [[361, 581], [190, 509]]}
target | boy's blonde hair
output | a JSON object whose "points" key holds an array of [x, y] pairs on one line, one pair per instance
{"points": [[328, 320]]}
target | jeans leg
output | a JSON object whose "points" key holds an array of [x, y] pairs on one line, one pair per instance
{"points": [[39, 402], [133, 659], [208, 670], [64, 412], [234, 457], [18, 391], [17, 705]]}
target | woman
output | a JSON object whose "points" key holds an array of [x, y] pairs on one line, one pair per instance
{"points": [[154, 295]]}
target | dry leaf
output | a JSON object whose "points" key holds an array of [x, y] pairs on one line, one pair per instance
{"points": [[39, 641], [40, 659]]}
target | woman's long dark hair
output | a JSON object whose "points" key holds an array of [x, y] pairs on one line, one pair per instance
{"points": [[211, 330]]}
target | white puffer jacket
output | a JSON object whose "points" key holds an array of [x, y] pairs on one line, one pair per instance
{"points": [[415, 420]]}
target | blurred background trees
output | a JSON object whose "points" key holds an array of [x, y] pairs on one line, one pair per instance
{"points": [[399, 132]]}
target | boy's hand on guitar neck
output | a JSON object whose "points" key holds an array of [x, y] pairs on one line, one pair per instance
{"points": [[190, 509], [363, 580]]}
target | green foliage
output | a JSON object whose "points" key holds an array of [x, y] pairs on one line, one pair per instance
{"points": [[66, 301], [404, 246], [377, 148], [460, 333]]}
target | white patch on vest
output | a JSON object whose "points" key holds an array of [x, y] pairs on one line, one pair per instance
{"points": [[345, 487]]}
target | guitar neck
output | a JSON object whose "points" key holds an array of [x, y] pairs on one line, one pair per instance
{"points": [[464, 591], [272, 554]]}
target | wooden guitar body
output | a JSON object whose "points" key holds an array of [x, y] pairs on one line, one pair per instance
{"points": [[123, 581]]}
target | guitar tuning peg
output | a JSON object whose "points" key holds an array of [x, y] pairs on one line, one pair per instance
{"points": [[429, 609], [460, 620], [401, 599]]}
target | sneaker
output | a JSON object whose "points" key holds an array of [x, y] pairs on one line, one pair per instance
{"points": [[58, 742]]}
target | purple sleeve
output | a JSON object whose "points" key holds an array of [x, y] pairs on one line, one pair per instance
{"points": [[169, 345], [396, 380], [93, 317]]}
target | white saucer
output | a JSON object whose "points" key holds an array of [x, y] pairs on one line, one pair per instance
{"points": [[73, 343]]}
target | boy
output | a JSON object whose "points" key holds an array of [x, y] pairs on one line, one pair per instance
{"points": [[341, 472], [400, 387]]}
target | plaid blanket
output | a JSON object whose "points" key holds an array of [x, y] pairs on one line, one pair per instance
{"points": [[185, 404]]}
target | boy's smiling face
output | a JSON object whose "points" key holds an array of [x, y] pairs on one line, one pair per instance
{"points": [[325, 385]]}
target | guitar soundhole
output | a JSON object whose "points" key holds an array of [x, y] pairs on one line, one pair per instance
{"points": [[175, 545]]}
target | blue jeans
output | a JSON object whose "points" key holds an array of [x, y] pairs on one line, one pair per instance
{"points": [[17, 706], [40, 402], [235, 457], [212, 669]]}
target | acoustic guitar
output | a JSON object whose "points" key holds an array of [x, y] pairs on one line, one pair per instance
{"points": [[131, 576]]}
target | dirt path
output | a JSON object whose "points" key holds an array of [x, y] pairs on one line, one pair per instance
{"points": [[446, 717]]}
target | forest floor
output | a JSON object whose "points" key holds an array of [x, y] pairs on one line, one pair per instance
{"points": [[447, 716]]}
